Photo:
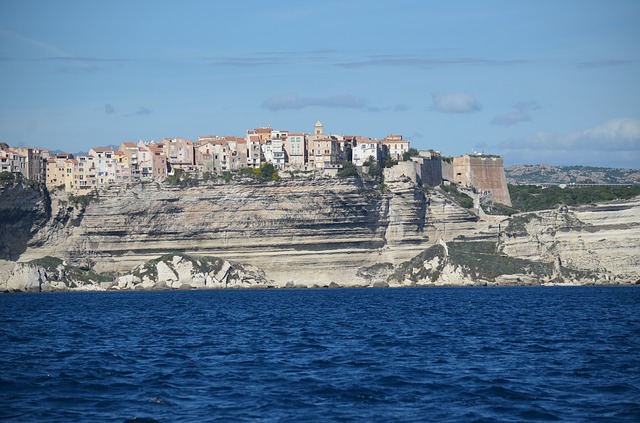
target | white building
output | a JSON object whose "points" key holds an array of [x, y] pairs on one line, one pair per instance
{"points": [[105, 165], [364, 150]]}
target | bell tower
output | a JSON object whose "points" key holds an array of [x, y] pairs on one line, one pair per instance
{"points": [[317, 128]]}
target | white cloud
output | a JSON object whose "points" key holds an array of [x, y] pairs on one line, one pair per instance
{"points": [[615, 143], [509, 119], [621, 134], [142, 111], [50, 49], [292, 101], [520, 115], [455, 103], [526, 106]]}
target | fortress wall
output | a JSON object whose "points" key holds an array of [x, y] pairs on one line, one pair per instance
{"points": [[484, 174], [430, 169], [487, 174], [447, 169], [409, 169]]}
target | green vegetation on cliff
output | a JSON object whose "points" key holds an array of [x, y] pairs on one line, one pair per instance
{"points": [[547, 174], [414, 269], [73, 276], [532, 198], [459, 197], [200, 264], [348, 169], [478, 260]]}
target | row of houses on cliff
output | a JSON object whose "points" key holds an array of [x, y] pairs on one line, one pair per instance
{"points": [[146, 161], [130, 162]]}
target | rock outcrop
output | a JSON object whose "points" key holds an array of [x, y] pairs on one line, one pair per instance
{"points": [[173, 271], [603, 240]]}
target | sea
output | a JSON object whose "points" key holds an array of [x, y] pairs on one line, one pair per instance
{"points": [[481, 354]]}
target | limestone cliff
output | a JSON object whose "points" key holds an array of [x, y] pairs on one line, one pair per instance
{"points": [[24, 209], [586, 245], [309, 232], [601, 239]]}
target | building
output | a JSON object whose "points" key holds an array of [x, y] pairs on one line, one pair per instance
{"points": [[13, 162], [254, 151], [239, 152], [179, 152], [132, 152], [326, 152], [80, 174], [55, 171], [274, 153], [105, 163], [153, 162], [295, 147], [394, 147], [34, 165], [122, 167], [364, 149]]}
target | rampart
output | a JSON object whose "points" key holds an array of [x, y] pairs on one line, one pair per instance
{"points": [[484, 173]]}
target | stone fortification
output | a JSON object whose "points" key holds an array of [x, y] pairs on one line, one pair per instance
{"points": [[483, 173], [430, 167]]}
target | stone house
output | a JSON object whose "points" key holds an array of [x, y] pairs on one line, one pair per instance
{"points": [[394, 147]]}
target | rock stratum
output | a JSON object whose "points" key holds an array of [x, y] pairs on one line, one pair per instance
{"points": [[314, 232]]}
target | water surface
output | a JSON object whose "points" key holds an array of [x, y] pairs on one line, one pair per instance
{"points": [[438, 354]]}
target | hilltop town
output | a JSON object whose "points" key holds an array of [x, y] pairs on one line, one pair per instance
{"points": [[131, 162], [281, 209]]}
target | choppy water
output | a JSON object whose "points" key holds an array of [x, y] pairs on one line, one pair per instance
{"points": [[449, 354]]}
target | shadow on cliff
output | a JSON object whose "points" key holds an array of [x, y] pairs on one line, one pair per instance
{"points": [[25, 208]]}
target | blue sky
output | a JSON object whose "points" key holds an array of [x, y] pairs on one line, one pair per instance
{"points": [[554, 82]]}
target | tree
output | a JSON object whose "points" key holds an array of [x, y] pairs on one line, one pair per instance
{"points": [[268, 172], [375, 170], [412, 152], [370, 160], [348, 169]]}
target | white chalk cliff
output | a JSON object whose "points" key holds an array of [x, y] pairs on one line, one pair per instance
{"points": [[296, 232]]}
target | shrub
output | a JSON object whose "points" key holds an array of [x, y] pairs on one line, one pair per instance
{"points": [[348, 169], [407, 155], [459, 197], [532, 198]]}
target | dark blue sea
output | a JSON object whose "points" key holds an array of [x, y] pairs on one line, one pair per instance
{"points": [[331, 355]]}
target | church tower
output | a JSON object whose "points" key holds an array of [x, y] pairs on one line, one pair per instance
{"points": [[318, 128]]}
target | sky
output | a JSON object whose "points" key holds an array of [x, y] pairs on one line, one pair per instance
{"points": [[555, 82]]}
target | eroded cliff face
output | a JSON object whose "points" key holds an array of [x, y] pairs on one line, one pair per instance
{"points": [[602, 240], [311, 231], [314, 232]]}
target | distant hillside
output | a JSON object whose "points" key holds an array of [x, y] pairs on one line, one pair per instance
{"points": [[547, 174]]}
